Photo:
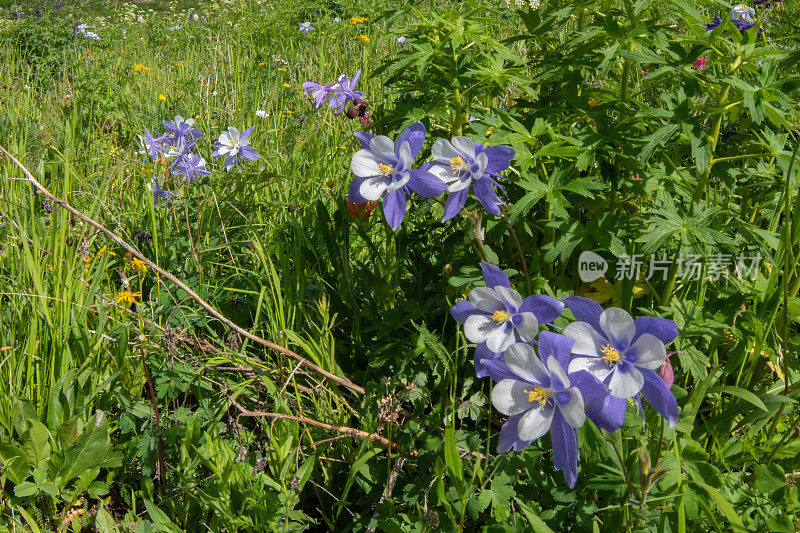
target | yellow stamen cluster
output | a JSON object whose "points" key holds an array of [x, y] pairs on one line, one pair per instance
{"points": [[610, 355], [457, 164], [539, 395], [139, 265], [500, 316], [386, 170]]}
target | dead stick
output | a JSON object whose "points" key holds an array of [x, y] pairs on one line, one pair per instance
{"points": [[352, 432], [193, 295]]}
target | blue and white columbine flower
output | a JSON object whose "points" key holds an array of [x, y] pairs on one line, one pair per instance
{"points": [[152, 147], [231, 144], [383, 170], [402, 41], [540, 398], [157, 192], [498, 316], [182, 130], [623, 354], [743, 13], [306, 26], [191, 166], [462, 163], [345, 91]]}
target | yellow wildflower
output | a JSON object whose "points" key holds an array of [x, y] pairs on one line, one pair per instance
{"points": [[162, 97], [139, 265], [128, 297], [261, 64], [103, 250], [357, 20], [592, 102], [281, 70], [364, 38], [287, 85], [489, 131], [140, 68]]}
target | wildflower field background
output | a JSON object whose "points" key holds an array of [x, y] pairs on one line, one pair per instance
{"points": [[323, 265]]}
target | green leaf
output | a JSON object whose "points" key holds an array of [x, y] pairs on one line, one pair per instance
{"points": [[725, 506], [104, 522], [451, 456], [160, 519], [739, 392]]}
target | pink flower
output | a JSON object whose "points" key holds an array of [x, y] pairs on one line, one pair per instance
{"points": [[665, 372], [700, 63]]}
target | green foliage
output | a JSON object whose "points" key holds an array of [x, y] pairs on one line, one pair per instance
{"points": [[623, 146]]}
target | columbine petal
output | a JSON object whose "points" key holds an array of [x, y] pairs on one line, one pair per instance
{"points": [[585, 310], [364, 164], [627, 383], [494, 276], [484, 192], [535, 423], [587, 340], [354, 194], [443, 151], [500, 339], [509, 397], [558, 346], [665, 330], [462, 310], [557, 375], [509, 436], [383, 148], [499, 158], [489, 363], [454, 203], [464, 145], [373, 188], [593, 365], [510, 296], [526, 326], [521, 359], [486, 299], [425, 184], [570, 403], [647, 352], [394, 208], [618, 325], [477, 328], [414, 134], [565, 448], [546, 308], [658, 395]]}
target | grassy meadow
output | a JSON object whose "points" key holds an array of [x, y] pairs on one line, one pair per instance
{"points": [[347, 397]]}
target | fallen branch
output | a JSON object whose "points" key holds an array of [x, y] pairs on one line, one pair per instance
{"points": [[351, 432], [193, 295]]}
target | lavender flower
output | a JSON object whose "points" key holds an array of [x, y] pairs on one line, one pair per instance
{"points": [[157, 192], [152, 146], [623, 354], [740, 25], [402, 41], [191, 166], [462, 163], [182, 130], [306, 27], [345, 92], [319, 92], [497, 316], [231, 144], [383, 167]]}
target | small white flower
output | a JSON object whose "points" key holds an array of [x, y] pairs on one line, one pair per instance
{"points": [[262, 114]]}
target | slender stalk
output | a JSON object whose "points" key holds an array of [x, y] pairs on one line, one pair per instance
{"points": [[519, 249]]}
